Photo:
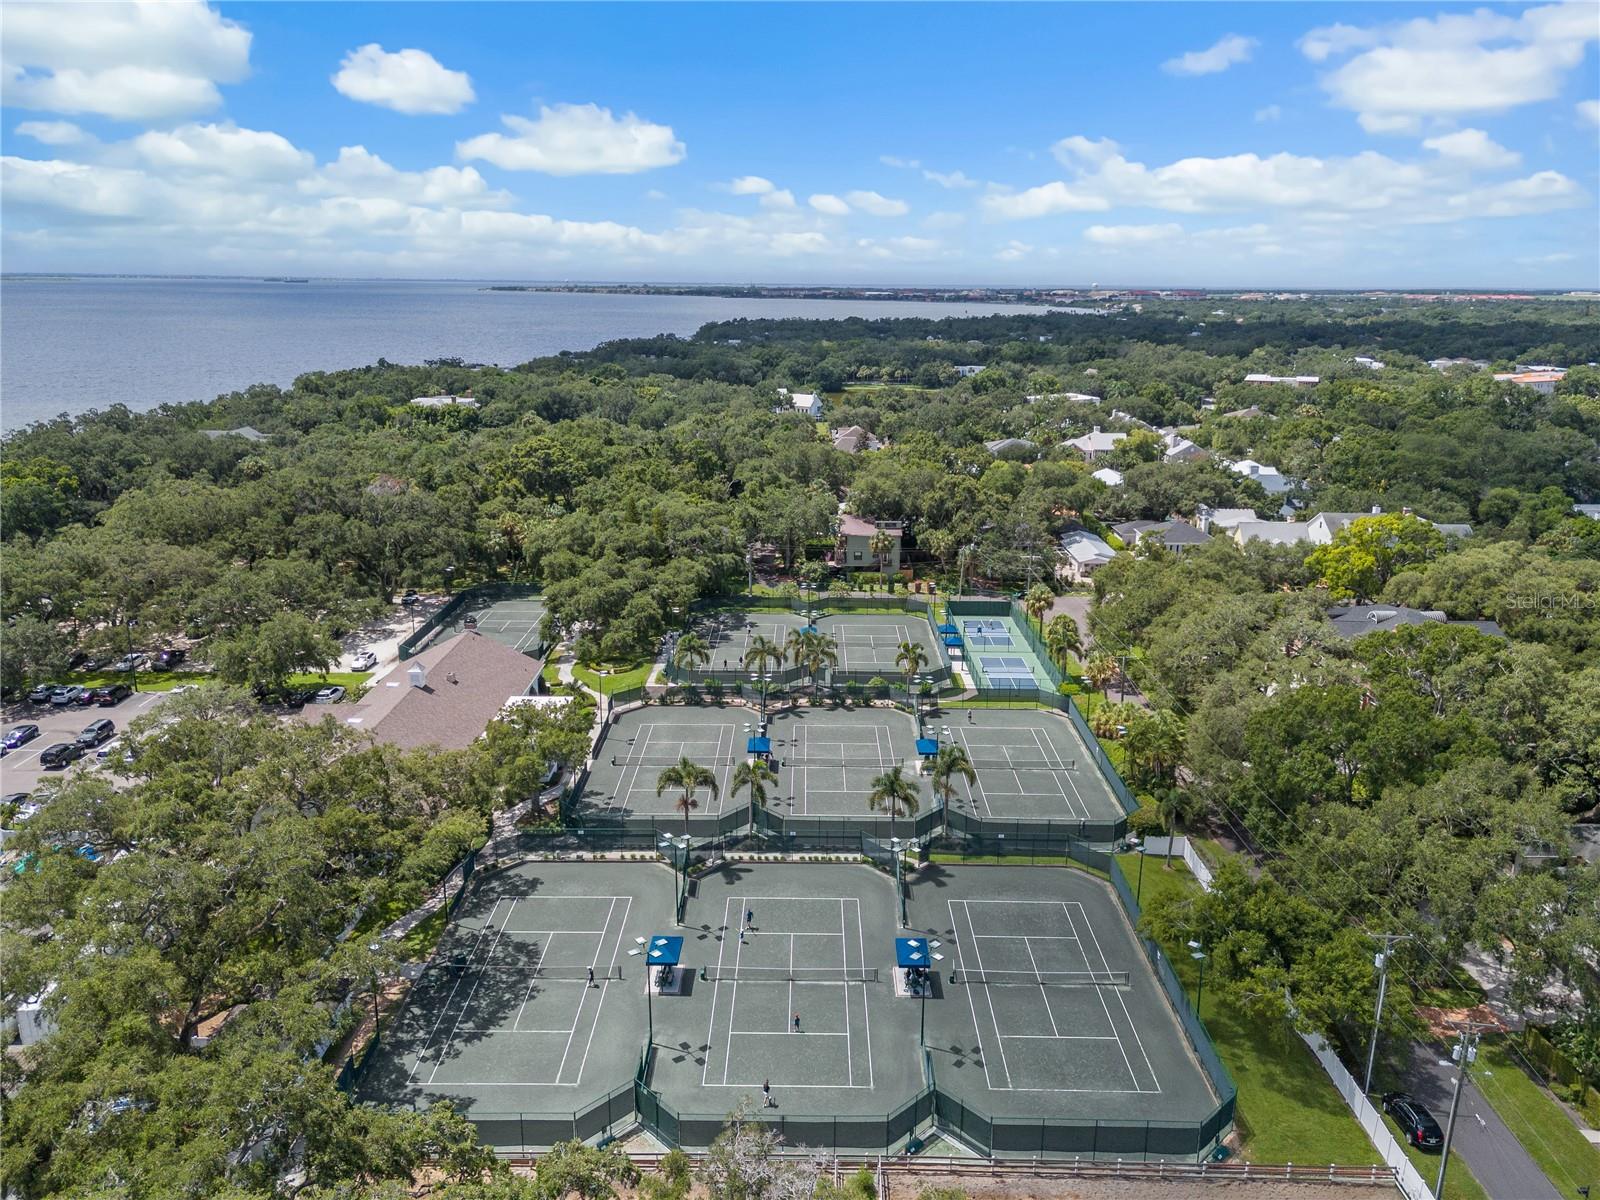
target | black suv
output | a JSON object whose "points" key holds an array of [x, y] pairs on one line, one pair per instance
{"points": [[62, 754], [1416, 1123], [169, 658]]}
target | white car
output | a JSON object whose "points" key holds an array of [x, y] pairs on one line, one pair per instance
{"points": [[329, 695], [364, 661]]}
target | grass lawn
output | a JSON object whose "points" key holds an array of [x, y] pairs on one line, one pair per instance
{"points": [[349, 680], [1288, 1110], [618, 679], [1533, 1115], [165, 681]]}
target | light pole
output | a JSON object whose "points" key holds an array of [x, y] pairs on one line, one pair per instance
{"points": [[763, 678], [899, 887], [1381, 961], [605, 712], [133, 667], [375, 947], [1197, 952], [678, 844], [1465, 1052], [1138, 891]]}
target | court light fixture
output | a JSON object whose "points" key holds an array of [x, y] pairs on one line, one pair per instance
{"points": [[639, 940]]}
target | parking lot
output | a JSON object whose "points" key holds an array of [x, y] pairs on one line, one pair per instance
{"points": [[20, 770]]}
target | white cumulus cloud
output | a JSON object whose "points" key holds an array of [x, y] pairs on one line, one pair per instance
{"points": [[223, 150], [52, 133], [1048, 199], [1229, 50], [1270, 112], [130, 62], [878, 206], [1132, 235], [1589, 110], [950, 179], [1474, 148], [1482, 61], [577, 139], [831, 205], [751, 185], [407, 81]]}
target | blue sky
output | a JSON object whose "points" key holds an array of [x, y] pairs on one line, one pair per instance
{"points": [[1185, 144]]}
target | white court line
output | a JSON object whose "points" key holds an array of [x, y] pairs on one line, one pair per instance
{"points": [[844, 947], [972, 1004], [528, 991], [1035, 937], [1075, 802], [467, 1003], [1132, 1024], [600, 1004], [445, 1007], [1061, 1037], [583, 998], [1043, 995], [716, 992], [809, 1033], [733, 1004], [1106, 1008], [866, 1007]]}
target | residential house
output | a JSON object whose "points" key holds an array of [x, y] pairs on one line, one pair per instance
{"points": [[1180, 449], [1325, 526], [1544, 382], [443, 697], [1222, 519], [1095, 443], [1371, 364], [1109, 476], [1013, 448], [1444, 364], [445, 401], [853, 550], [1176, 536], [967, 372], [1278, 533], [807, 404], [1299, 381], [1270, 478], [853, 438], [1082, 554], [1244, 414], [1358, 620], [1592, 511], [1071, 397], [247, 432]]}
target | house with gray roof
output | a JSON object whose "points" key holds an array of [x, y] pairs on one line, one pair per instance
{"points": [[1082, 554], [443, 697], [248, 432], [1358, 620]]}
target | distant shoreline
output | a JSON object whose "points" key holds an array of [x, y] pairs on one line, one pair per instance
{"points": [[753, 292]]}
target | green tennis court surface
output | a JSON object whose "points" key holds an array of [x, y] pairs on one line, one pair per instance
{"points": [[1043, 1008], [866, 645], [513, 621], [998, 654]]}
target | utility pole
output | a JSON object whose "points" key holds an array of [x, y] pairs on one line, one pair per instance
{"points": [[1381, 961], [1465, 1052]]}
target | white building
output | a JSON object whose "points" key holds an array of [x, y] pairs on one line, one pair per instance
{"points": [[1371, 364], [1109, 476], [444, 401], [1222, 519], [1270, 478], [1095, 443], [967, 372], [1299, 381], [1278, 533], [1544, 382], [1592, 511], [807, 404], [1082, 554]]}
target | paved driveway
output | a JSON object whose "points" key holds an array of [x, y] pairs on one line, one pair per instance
{"points": [[20, 770], [1481, 1140]]}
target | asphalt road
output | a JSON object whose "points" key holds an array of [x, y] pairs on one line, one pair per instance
{"points": [[1482, 1140]]}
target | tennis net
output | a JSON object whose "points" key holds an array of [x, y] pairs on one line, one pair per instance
{"points": [[1042, 978], [670, 760], [789, 974], [553, 974]]}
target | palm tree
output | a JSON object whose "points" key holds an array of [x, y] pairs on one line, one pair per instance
{"points": [[880, 545], [795, 646], [1165, 738], [1037, 602], [894, 794], [753, 776], [1104, 720], [950, 764], [964, 561], [910, 658], [1063, 639], [1100, 671], [813, 652], [763, 651], [1174, 806], [691, 651], [690, 776]]}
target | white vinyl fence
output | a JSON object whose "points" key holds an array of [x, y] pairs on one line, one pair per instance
{"points": [[1156, 847], [1406, 1175]]}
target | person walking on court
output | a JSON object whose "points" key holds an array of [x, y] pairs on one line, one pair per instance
{"points": [[750, 919], [797, 1022], [591, 977], [969, 716], [766, 1095]]}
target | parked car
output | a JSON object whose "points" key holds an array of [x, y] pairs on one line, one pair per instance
{"points": [[409, 599], [19, 735], [110, 694], [20, 807], [114, 749], [76, 659], [42, 693], [169, 657], [328, 695], [62, 754], [365, 660], [1416, 1123], [96, 732], [66, 694]]}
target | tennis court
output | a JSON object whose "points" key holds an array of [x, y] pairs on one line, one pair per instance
{"points": [[865, 645], [777, 943], [1048, 1006], [514, 621], [728, 634], [504, 1016], [640, 743], [1029, 763], [999, 654], [826, 759]]}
